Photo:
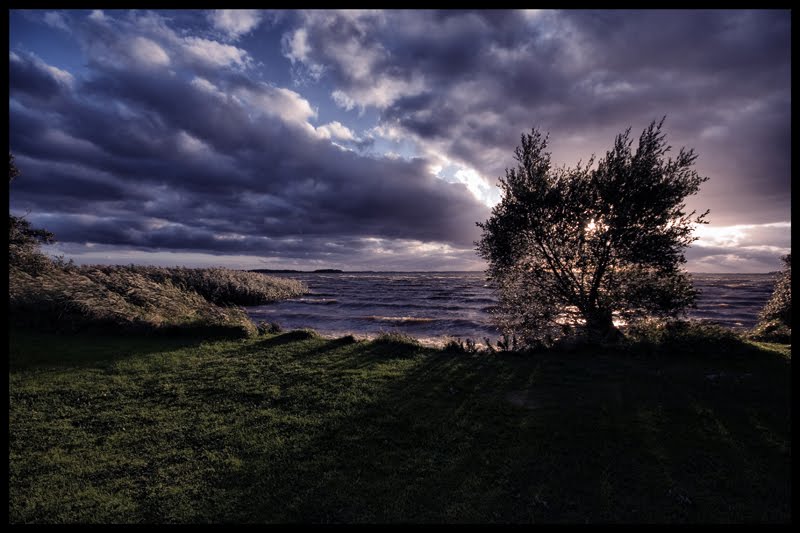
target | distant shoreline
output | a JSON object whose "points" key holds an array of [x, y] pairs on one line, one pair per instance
{"points": [[289, 271], [337, 271]]}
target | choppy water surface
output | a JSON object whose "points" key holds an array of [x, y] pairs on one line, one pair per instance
{"points": [[433, 305]]}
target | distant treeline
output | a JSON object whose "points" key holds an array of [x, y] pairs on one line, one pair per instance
{"points": [[289, 271]]}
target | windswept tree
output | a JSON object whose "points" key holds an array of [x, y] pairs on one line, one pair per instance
{"points": [[570, 249], [23, 240]]}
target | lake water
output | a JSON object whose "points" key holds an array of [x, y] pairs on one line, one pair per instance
{"points": [[434, 305]]}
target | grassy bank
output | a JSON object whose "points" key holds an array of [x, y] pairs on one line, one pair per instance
{"points": [[296, 428], [140, 299]]}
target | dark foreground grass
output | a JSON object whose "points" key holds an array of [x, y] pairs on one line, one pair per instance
{"points": [[296, 428]]}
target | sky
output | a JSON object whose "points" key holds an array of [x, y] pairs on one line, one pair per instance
{"points": [[373, 140]]}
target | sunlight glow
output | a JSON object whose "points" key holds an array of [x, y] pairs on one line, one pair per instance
{"points": [[447, 170]]}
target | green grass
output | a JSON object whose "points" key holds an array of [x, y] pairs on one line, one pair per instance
{"points": [[298, 428]]}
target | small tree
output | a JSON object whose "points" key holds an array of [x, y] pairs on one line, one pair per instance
{"points": [[570, 248], [23, 240], [779, 306], [775, 320]]}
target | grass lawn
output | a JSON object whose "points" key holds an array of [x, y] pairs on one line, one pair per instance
{"points": [[287, 428]]}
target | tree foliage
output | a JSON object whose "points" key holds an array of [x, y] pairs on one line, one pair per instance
{"points": [[775, 319], [571, 248], [779, 306], [24, 240]]}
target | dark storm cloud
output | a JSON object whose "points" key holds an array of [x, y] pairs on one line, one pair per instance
{"points": [[164, 161], [173, 137], [700, 40], [721, 77], [28, 77], [147, 235], [344, 254]]}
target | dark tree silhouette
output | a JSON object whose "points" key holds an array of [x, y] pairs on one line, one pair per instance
{"points": [[570, 248], [23, 240]]}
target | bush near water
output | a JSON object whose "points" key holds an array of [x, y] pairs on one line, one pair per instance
{"points": [[775, 320]]}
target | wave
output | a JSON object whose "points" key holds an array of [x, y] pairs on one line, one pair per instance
{"points": [[460, 304], [394, 304], [400, 319], [316, 301]]}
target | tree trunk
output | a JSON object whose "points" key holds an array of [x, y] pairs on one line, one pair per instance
{"points": [[600, 326]]}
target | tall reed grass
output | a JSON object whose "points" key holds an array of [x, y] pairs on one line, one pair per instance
{"points": [[142, 298]]}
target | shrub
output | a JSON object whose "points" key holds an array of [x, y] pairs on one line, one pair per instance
{"points": [[685, 336], [772, 331], [300, 335], [775, 320], [396, 339], [269, 328], [467, 346]]}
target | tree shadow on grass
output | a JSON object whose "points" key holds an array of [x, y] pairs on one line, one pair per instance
{"points": [[439, 441], [29, 349], [388, 432], [364, 354]]}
